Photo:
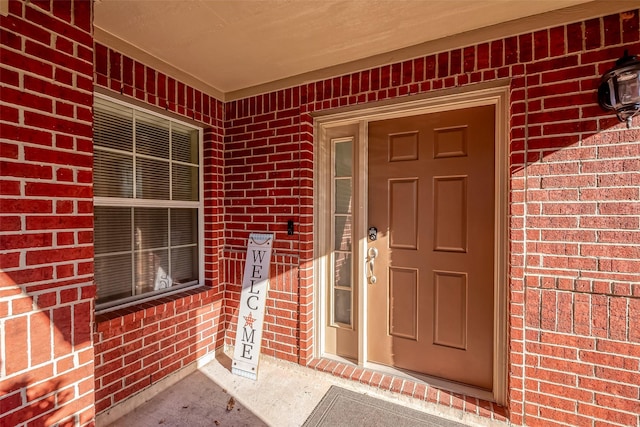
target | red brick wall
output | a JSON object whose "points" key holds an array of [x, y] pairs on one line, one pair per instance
{"points": [[46, 222], [268, 181], [575, 248], [574, 281], [137, 346], [574, 276]]}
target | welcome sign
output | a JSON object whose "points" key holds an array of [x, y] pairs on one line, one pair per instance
{"points": [[255, 285]]}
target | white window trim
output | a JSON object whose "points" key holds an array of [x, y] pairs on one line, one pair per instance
{"points": [[131, 202]]}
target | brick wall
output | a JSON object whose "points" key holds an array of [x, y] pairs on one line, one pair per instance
{"points": [[269, 181], [574, 282], [135, 347], [46, 223], [574, 279], [575, 217]]}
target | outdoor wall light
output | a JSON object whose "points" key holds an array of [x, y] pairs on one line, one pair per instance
{"points": [[620, 88]]}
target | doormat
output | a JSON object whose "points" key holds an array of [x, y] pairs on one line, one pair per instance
{"points": [[340, 407]]}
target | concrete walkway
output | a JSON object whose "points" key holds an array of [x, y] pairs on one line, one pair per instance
{"points": [[284, 395]]}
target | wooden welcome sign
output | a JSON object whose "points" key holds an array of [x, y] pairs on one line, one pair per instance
{"points": [[255, 285]]}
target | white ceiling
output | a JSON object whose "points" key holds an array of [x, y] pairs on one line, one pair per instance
{"points": [[233, 45]]}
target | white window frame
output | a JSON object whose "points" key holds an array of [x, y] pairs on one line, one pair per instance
{"points": [[151, 203]]}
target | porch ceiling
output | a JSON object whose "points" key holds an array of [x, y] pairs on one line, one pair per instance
{"points": [[238, 47]]}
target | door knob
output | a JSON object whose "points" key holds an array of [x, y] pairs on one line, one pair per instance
{"points": [[373, 253]]}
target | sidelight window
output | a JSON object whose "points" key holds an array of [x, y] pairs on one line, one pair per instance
{"points": [[342, 280]]}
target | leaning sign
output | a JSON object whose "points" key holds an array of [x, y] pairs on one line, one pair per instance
{"points": [[255, 284]]}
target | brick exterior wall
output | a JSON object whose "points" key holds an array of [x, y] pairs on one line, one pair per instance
{"points": [[268, 181], [574, 277], [574, 281], [46, 222], [135, 347]]}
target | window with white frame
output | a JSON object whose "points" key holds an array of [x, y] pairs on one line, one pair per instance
{"points": [[341, 260], [147, 203]]}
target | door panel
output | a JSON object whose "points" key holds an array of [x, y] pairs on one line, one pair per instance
{"points": [[450, 309], [403, 302], [403, 213], [450, 213], [431, 196]]}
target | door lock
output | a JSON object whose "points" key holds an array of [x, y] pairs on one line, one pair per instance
{"points": [[373, 234]]}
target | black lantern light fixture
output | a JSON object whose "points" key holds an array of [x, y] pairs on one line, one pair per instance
{"points": [[620, 88]]}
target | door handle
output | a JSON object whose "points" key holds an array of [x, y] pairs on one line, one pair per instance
{"points": [[373, 253]]}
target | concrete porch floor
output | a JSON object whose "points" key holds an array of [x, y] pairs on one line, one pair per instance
{"points": [[284, 395]]}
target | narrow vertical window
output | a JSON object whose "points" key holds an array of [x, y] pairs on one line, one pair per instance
{"points": [[147, 203], [342, 222]]}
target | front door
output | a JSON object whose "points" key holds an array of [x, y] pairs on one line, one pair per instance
{"points": [[431, 199]]}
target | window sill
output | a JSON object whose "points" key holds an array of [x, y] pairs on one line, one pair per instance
{"points": [[117, 311]]}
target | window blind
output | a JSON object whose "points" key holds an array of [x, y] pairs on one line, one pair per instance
{"points": [[146, 183]]}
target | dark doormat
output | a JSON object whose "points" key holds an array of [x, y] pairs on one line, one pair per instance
{"points": [[340, 407]]}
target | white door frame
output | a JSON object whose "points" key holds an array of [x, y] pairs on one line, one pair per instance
{"points": [[496, 94]]}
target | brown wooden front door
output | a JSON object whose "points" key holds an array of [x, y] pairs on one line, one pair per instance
{"points": [[431, 196]]}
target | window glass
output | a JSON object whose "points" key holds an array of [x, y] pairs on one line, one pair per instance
{"points": [[341, 264], [152, 272], [151, 228], [342, 231], [343, 159], [152, 135], [142, 163], [152, 179], [343, 196], [112, 126], [183, 264], [113, 174], [113, 276], [112, 229], [185, 182], [184, 223], [342, 306], [184, 144], [342, 270]]}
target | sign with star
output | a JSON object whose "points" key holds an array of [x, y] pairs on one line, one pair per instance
{"points": [[255, 284]]}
